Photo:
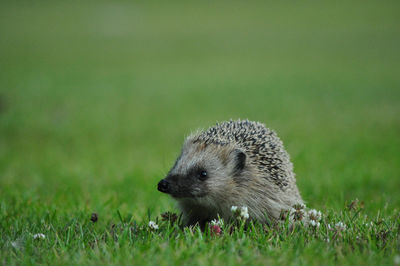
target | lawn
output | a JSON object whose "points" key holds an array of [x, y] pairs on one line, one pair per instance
{"points": [[96, 98]]}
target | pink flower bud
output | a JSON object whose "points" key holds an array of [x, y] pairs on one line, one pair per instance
{"points": [[215, 230]]}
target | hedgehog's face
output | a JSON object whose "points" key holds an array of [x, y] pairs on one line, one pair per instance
{"points": [[203, 170]]}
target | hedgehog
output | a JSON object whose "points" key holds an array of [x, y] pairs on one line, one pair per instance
{"points": [[234, 163]]}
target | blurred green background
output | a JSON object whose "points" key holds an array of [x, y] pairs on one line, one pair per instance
{"points": [[96, 97]]}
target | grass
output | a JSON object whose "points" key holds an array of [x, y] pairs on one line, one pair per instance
{"points": [[96, 98]]}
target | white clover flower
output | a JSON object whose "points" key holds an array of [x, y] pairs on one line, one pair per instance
{"points": [[39, 236], [340, 226], [153, 225], [313, 218], [298, 213], [314, 215], [244, 213], [314, 223], [299, 206]]}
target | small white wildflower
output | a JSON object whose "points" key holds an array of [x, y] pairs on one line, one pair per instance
{"points": [[244, 212], [314, 223], [313, 218], [314, 215], [39, 236], [298, 214], [329, 227], [396, 260], [340, 226], [218, 222], [153, 225]]}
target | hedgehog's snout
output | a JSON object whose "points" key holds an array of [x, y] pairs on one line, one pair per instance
{"points": [[163, 186]]}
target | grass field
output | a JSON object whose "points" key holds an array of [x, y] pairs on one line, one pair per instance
{"points": [[96, 98]]}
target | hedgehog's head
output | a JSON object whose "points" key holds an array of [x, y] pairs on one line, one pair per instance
{"points": [[204, 170]]}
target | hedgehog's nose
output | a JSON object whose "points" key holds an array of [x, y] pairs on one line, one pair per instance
{"points": [[163, 186]]}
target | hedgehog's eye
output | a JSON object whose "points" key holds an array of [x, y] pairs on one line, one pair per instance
{"points": [[203, 175]]}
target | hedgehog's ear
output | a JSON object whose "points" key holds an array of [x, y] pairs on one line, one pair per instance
{"points": [[240, 160]]}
